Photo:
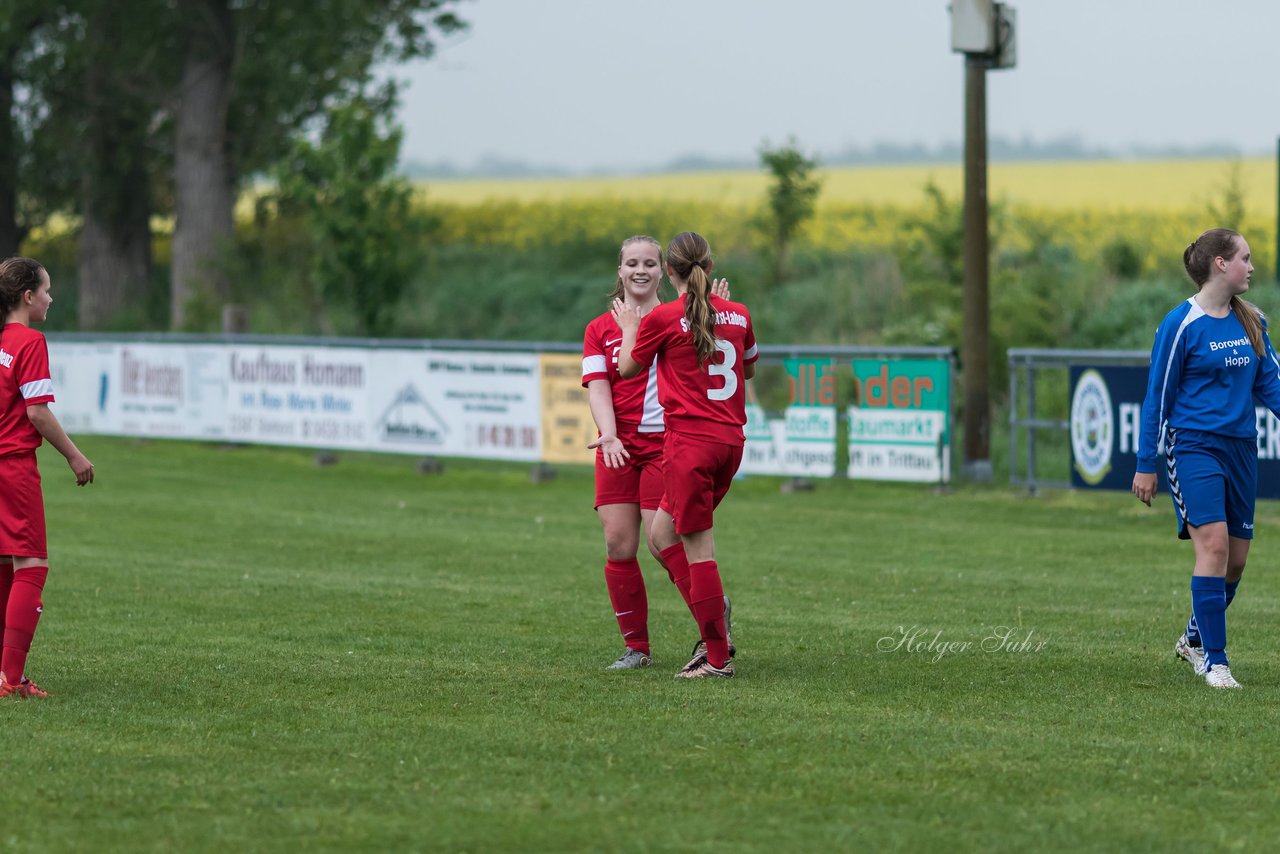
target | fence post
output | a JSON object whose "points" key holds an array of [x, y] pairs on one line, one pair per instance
{"points": [[1031, 430], [235, 318], [1013, 421]]}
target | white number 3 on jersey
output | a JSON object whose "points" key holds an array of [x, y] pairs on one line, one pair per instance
{"points": [[724, 369]]}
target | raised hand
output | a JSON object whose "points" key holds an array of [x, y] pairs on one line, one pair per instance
{"points": [[627, 316], [615, 456]]}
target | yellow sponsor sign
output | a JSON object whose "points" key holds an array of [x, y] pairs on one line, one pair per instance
{"points": [[566, 417]]}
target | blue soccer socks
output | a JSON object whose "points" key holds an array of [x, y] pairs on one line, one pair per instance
{"points": [[1209, 606]]}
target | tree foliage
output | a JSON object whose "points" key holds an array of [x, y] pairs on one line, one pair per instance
{"points": [[29, 52], [99, 119], [1228, 210], [357, 211], [793, 193]]}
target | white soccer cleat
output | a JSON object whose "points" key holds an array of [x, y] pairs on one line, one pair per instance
{"points": [[700, 668], [1219, 676], [632, 659], [1191, 654]]}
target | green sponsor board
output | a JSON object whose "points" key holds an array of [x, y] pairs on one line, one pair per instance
{"points": [[900, 423], [802, 442]]}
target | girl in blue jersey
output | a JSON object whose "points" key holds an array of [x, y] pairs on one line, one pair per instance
{"points": [[1211, 358]]}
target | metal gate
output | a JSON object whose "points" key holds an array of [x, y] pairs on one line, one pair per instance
{"points": [[1027, 414]]}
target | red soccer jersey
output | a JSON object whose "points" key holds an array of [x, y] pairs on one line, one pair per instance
{"points": [[704, 401], [635, 401], [24, 381]]}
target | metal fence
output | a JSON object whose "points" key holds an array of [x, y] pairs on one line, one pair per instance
{"points": [[772, 352], [1025, 417]]}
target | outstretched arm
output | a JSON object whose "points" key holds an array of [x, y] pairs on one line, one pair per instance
{"points": [[628, 318], [600, 399], [47, 424]]}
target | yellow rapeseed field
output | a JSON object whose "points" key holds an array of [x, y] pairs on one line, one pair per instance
{"points": [[1156, 185], [1156, 207]]}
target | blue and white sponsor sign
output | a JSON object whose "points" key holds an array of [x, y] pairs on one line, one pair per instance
{"points": [[1106, 419]]}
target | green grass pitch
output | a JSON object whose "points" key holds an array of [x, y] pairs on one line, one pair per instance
{"points": [[247, 651]]}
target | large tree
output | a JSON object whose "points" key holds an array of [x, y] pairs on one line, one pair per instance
{"points": [[81, 85], [254, 73], [20, 26], [10, 231], [124, 57]]}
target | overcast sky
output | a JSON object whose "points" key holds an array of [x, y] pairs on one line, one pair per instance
{"points": [[633, 84]]}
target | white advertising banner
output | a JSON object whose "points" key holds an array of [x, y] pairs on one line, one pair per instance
{"points": [[904, 445], [810, 441], [474, 403], [306, 396], [457, 403], [82, 379], [167, 390], [760, 453], [899, 428], [802, 443]]}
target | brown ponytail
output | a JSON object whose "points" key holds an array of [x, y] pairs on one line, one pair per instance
{"points": [[690, 257], [1198, 259], [1251, 319]]}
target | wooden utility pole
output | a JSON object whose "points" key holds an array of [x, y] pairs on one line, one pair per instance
{"points": [[976, 342], [984, 32]]}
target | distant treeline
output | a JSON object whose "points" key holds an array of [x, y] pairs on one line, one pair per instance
{"points": [[999, 149]]}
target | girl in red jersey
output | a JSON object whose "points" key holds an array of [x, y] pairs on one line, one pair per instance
{"points": [[26, 390], [629, 450], [708, 352]]}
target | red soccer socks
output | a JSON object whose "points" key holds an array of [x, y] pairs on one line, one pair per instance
{"points": [[708, 609], [6, 581], [630, 605], [22, 613]]}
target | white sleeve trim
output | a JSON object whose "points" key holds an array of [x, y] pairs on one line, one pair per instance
{"points": [[1195, 313], [594, 365], [37, 388]]}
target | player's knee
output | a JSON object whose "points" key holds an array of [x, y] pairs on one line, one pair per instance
{"points": [[620, 548], [656, 552]]}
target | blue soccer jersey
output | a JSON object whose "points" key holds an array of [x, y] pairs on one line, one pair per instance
{"points": [[1204, 376]]}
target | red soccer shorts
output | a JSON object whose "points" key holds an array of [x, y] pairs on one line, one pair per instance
{"points": [[21, 508], [640, 480], [697, 476]]}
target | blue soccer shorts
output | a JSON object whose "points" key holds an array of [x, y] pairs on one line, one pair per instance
{"points": [[1212, 478]]}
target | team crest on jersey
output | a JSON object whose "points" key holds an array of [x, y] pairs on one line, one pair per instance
{"points": [[1091, 428], [6, 359]]}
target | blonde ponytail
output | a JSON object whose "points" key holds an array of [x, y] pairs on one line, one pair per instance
{"points": [[689, 255], [700, 314]]}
